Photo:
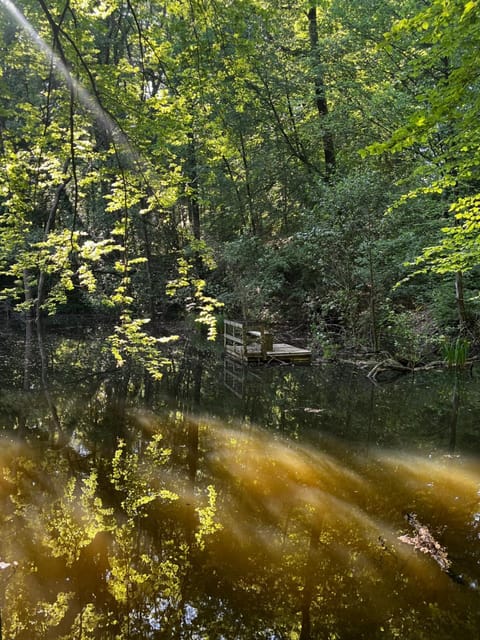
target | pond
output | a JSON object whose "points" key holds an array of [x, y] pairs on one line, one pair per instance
{"points": [[229, 503]]}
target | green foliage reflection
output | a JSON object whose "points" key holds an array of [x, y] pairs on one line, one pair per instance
{"points": [[125, 546]]}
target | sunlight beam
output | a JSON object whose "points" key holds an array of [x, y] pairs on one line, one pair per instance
{"points": [[89, 101]]}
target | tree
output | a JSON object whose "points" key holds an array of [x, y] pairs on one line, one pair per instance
{"points": [[145, 142], [443, 132]]}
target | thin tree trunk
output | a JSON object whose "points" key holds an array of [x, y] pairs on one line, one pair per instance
{"points": [[450, 194], [460, 300], [320, 95], [373, 303], [241, 206], [148, 267], [49, 225], [192, 195], [28, 331], [254, 221]]}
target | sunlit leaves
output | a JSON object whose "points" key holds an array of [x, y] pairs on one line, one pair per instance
{"points": [[50, 614], [469, 6], [197, 301], [123, 196], [75, 518], [459, 249], [208, 524], [129, 340], [444, 126], [54, 257], [101, 9], [61, 514], [137, 478]]}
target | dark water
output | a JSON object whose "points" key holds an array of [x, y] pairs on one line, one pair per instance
{"points": [[228, 503]]}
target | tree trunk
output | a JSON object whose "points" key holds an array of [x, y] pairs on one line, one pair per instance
{"points": [[28, 331], [149, 268], [460, 301], [192, 189], [373, 301], [255, 222], [320, 94]]}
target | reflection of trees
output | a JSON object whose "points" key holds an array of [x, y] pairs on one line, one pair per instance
{"points": [[157, 523], [454, 416], [285, 540], [413, 410], [309, 584]]}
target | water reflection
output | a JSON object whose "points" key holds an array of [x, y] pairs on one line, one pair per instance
{"points": [[274, 539], [146, 517]]}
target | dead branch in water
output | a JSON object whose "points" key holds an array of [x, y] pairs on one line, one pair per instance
{"points": [[390, 364], [424, 541]]}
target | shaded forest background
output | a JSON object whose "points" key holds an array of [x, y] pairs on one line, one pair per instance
{"points": [[314, 163]]}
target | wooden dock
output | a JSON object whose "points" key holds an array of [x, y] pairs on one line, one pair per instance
{"points": [[252, 343]]}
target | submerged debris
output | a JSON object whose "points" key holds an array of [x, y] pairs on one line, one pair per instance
{"points": [[424, 541]]}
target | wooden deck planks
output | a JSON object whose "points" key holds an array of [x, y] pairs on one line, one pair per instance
{"points": [[281, 352], [287, 349], [251, 343]]}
